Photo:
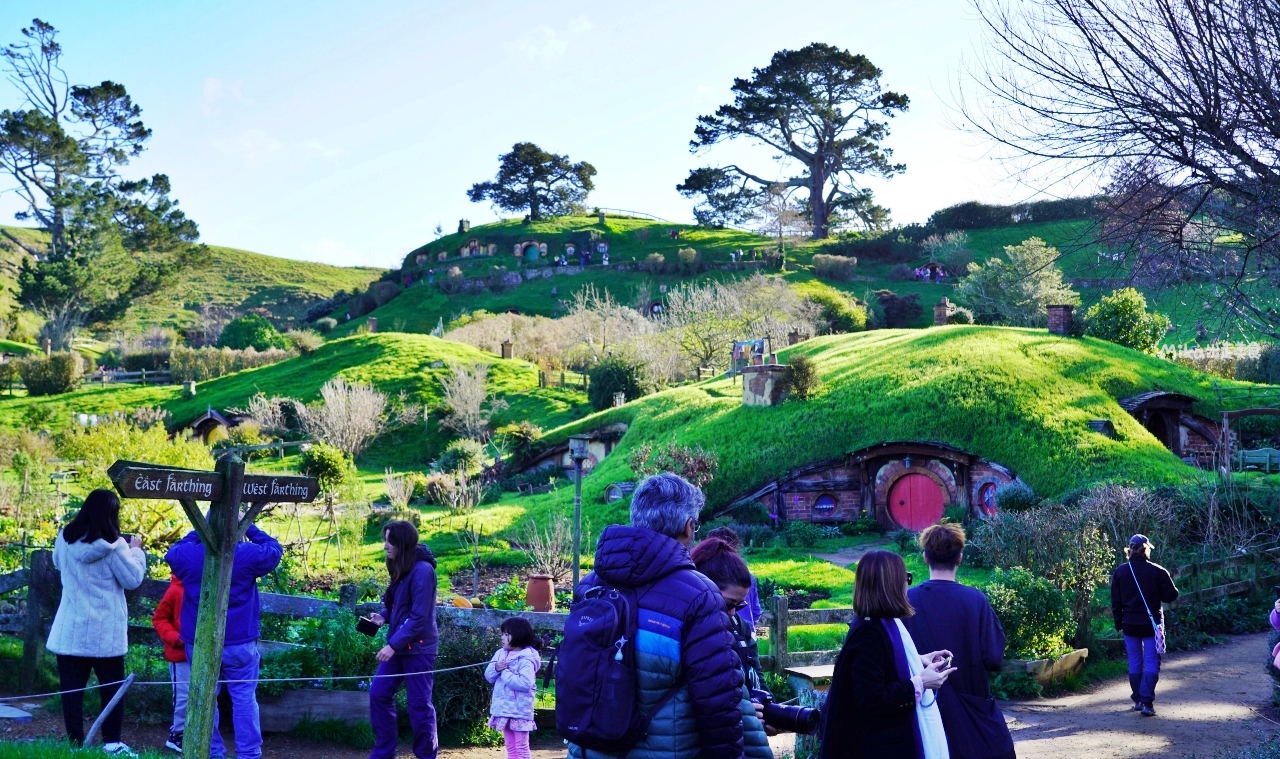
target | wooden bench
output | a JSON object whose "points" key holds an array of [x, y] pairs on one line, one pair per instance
{"points": [[1264, 459]]}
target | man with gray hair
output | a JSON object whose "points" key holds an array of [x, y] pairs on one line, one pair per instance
{"points": [[682, 636]]}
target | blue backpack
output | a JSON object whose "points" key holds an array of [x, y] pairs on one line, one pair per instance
{"points": [[596, 706]]}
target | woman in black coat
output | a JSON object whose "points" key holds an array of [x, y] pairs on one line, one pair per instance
{"points": [[877, 705]]}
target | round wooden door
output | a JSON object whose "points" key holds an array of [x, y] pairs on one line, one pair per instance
{"points": [[915, 501]]}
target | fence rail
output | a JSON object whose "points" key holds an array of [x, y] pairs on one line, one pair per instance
{"points": [[574, 380], [142, 377]]}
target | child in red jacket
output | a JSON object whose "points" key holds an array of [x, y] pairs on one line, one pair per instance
{"points": [[168, 623]]}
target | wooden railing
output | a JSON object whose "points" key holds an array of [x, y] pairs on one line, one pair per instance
{"points": [[1202, 581], [142, 377]]}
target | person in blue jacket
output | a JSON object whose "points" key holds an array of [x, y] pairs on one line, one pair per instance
{"points": [[412, 643], [683, 628], [257, 556]]}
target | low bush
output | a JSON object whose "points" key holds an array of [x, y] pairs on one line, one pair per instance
{"points": [[695, 464], [899, 310], [152, 360], [523, 441], [1006, 686], [1035, 615], [251, 331], [1122, 318], [615, 375], [860, 526], [1265, 367], [326, 307], [52, 375], [508, 596], [462, 697], [839, 268], [326, 325], [1016, 496], [305, 341], [837, 313], [804, 382], [906, 540], [462, 455], [902, 273], [885, 246], [802, 534], [751, 512], [655, 263], [690, 261], [200, 364], [961, 315]]}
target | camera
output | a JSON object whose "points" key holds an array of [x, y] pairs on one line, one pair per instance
{"points": [[796, 719]]}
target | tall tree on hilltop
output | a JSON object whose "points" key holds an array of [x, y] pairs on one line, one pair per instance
{"points": [[531, 178], [64, 151], [820, 106]]}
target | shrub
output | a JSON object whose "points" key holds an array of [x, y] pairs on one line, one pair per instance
{"points": [[326, 325], [952, 249], [899, 310], [52, 375], [884, 246], [961, 315], [151, 360], [751, 513], [329, 465], [840, 268], [326, 307], [1017, 291], [1265, 367], [251, 331], [837, 313], [696, 465], [689, 260], [1034, 614], [902, 273], [975, 215], [1016, 496], [906, 540], [462, 455], [246, 433], [508, 596], [462, 696], [200, 364], [305, 340], [523, 441], [615, 375], [860, 526], [1122, 318], [452, 281], [804, 376], [802, 534], [655, 263], [1124, 510]]}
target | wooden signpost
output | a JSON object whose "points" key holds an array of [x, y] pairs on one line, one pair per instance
{"points": [[225, 488]]}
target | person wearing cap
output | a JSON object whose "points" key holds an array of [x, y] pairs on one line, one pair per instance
{"points": [[1138, 588]]}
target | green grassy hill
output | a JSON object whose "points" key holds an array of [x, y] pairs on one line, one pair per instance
{"points": [[239, 279], [1019, 397]]}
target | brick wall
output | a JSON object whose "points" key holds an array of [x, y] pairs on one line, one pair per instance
{"points": [[1059, 320]]}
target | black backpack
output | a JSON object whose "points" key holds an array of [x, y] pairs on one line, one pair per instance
{"points": [[596, 706]]}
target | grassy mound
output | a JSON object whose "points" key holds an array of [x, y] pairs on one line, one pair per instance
{"points": [[1018, 397]]}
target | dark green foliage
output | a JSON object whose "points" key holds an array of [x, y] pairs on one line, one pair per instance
{"points": [[1005, 686], [251, 331], [804, 376], [39, 416], [462, 697], [151, 360], [462, 455], [51, 375], [327, 464], [1265, 368], [899, 310], [975, 215], [906, 540], [325, 325], [1122, 318], [508, 596], [839, 268], [523, 441], [802, 534], [149, 705], [884, 246], [902, 273], [359, 735], [860, 526], [1016, 496], [751, 512], [961, 315], [614, 375], [839, 313], [1034, 614], [1191, 627], [530, 178], [727, 198]]}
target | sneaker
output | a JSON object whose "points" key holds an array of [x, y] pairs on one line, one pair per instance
{"points": [[1137, 706], [119, 749], [1148, 710], [174, 742]]}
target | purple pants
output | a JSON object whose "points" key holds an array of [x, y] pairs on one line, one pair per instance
{"points": [[422, 714]]}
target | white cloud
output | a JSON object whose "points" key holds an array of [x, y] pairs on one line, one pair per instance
{"points": [[252, 145], [542, 42], [214, 91], [580, 24], [323, 150]]}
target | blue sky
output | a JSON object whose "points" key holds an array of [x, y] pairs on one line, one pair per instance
{"points": [[344, 132]]}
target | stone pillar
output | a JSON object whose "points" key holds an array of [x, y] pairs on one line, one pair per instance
{"points": [[373, 324], [464, 226], [765, 385], [941, 311], [793, 337], [507, 349], [1060, 320], [601, 212]]}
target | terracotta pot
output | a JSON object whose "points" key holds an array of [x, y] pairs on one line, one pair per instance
{"points": [[541, 595]]}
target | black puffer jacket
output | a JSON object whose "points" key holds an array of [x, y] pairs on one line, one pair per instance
{"points": [[1126, 603]]}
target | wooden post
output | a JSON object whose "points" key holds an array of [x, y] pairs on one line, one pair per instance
{"points": [[42, 589], [778, 634], [348, 597]]}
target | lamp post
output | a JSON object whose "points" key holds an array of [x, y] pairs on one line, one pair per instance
{"points": [[578, 452]]}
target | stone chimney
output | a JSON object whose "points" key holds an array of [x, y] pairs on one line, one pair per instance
{"points": [[464, 226], [1060, 320], [941, 312], [765, 385], [373, 324], [507, 349]]}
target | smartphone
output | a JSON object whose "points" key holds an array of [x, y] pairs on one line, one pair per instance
{"points": [[128, 538], [1276, 588]]}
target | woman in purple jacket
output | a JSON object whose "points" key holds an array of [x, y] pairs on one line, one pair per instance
{"points": [[410, 653]]}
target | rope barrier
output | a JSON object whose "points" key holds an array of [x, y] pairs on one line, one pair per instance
{"points": [[258, 680]]}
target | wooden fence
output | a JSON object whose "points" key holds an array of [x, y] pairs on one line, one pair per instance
{"points": [[573, 380], [142, 377], [1202, 581]]}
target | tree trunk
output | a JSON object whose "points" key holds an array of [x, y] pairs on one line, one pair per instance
{"points": [[818, 201], [211, 624]]}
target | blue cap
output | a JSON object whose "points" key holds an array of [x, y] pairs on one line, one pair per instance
{"points": [[1138, 540]]}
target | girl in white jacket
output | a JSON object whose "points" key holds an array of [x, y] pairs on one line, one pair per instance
{"points": [[513, 670], [91, 629]]}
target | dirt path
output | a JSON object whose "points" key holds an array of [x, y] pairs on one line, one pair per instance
{"points": [[1208, 701], [846, 556]]}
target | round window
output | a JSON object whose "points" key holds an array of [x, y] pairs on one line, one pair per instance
{"points": [[825, 505], [987, 497]]}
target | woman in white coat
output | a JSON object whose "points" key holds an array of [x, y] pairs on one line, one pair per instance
{"points": [[91, 629]]}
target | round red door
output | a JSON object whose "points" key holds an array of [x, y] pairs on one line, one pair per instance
{"points": [[915, 501]]}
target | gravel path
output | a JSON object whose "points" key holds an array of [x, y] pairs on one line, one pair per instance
{"points": [[1208, 701]]}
